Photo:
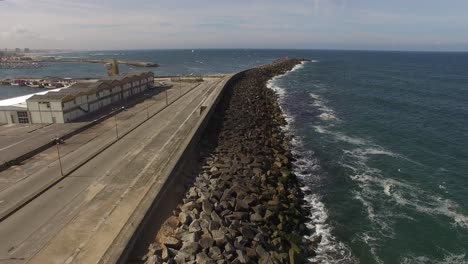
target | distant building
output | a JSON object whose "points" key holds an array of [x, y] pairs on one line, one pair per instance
{"points": [[26, 50], [76, 101], [17, 50]]}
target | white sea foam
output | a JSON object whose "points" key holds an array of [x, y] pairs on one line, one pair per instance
{"points": [[374, 151], [348, 139], [365, 153], [315, 96], [372, 243], [298, 66], [320, 129], [369, 207], [448, 259], [388, 188], [326, 113], [272, 84], [328, 116], [339, 136], [411, 196], [329, 249], [376, 190], [305, 167], [431, 204]]}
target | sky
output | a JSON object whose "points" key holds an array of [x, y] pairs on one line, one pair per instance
{"points": [[434, 25]]}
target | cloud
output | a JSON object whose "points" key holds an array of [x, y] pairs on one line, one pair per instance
{"points": [[94, 24]]}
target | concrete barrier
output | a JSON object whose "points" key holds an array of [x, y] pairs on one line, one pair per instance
{"points": [[142, 226]]}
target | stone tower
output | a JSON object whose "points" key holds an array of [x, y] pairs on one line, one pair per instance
{"points": [[112, 68]]}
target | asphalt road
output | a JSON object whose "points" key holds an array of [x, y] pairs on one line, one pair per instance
{"points": [[17, 140], [76, 219]]}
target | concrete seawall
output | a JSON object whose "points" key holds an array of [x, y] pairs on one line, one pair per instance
{"points": [[158, 204], [241, 203]]}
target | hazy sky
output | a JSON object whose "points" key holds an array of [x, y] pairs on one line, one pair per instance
{"points": [[328, 24]]}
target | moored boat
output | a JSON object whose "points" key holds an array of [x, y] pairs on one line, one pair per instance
{"points": [[35, 84], [5, 82], [18, 83]]}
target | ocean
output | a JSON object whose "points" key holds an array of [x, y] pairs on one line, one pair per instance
{"points": [[381, 140]]}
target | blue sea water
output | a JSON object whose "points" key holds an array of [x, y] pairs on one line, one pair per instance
{"points": [[384, 136], [381, 140]]}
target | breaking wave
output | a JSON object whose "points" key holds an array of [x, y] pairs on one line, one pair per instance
{"points": [[383, 196], [338, 136], [306, 167], [387, 197], [328, 248], [326, 113]]}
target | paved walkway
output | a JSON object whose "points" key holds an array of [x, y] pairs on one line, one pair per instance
{"points": [[51, 219]]}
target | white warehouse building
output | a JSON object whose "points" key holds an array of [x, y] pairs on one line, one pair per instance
{"points": [[79, 100]]}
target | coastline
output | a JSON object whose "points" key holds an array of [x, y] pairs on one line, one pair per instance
{"points": [[245, 205], [357, 168], [326, 247], [143, 64], [41, 61]]}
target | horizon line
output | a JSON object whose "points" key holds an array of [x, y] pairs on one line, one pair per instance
{"points": [[266, 49]]}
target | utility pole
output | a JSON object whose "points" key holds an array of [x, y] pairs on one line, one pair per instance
{"points": [[167, 102], [180, 85], [57, 142], [40, 114], [116, 129]]}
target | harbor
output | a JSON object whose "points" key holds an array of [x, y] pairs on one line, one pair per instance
{"points": [[46, 82], [101, 61], [40, 61]]}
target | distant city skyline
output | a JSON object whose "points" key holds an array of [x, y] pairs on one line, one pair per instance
{"points": [[430, 25]]}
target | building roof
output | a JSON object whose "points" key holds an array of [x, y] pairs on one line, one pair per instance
{"points": [[61, 96], [77, 89], [100, 85], [64, 95], [122, 77], [13, 108], [147, 74]]}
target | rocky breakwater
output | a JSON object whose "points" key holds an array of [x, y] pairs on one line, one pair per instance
{"points": [[245, 204]]}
